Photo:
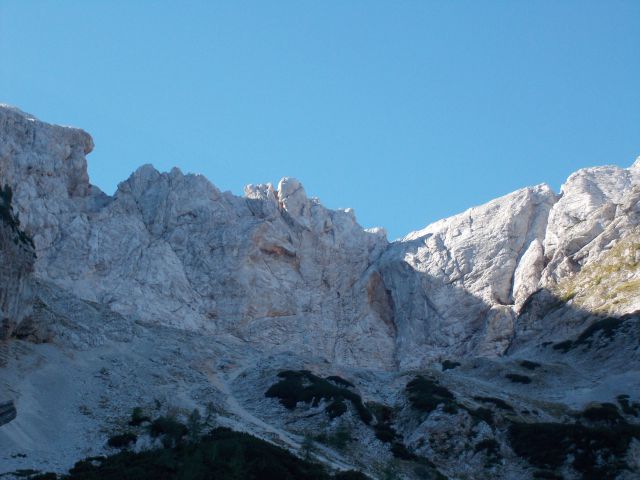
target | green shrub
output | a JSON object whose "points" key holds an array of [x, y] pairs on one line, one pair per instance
{"points": [[169, 429], [482, 414], [221, 455], [606, 327], [449, 365], [605, 412], [597, 453], [122, 440], [303, 386], [399, 450], [137, 417], [564, 347], [384, 432], [547, 475], [529, 365], [515, 378], [425, 395], [492, 450], [336, 408], [630, 408]]}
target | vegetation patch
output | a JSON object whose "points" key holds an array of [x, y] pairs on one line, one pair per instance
{"points": [[605, 328], [483, 414], [491, 448], [564, 346], [596, 453], [304, 386], [122, 440], [628, 407], [449, 365], [515, 378], [223, 454], [547, 475], [425, 395], [138, 417], [529, 365], [169, 429], [605, 412], [399, 450]]}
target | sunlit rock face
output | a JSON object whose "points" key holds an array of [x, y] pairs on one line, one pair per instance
{"points": [[274, 267], [280, 271]]}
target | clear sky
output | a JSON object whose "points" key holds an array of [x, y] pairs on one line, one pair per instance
{"points": [[407, 111]]}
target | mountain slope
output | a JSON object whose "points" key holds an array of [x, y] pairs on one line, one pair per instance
{"points": [[171, 295]]}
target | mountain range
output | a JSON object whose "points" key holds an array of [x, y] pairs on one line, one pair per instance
{"points": [[502, 342]]}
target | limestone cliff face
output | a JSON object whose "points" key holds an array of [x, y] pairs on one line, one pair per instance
{"points": [[456, 284], [274, 268], [283, 273]]}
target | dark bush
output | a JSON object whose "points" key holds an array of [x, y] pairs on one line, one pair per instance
{"points": [[303, 386], [605, 412], [383, 413], [492, 450], [529, 365], [598, 453], [122, 440], [449, 365], [336, 408], [399, 450], [137, 417], [222, 455], [169, 428], [564, 347], [515, 378], [483, 414], [384, 432], [606, 327], [425, 395], [546, 475], [629, 408]]}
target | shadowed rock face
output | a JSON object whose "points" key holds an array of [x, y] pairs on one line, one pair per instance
{"points": [[278, 270], [16, 271], [7, 412]]}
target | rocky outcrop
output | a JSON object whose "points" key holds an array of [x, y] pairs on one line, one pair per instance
{"points": [[455, 283]]}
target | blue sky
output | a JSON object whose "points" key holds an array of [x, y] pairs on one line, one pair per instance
{"points": [[407, 111]]}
